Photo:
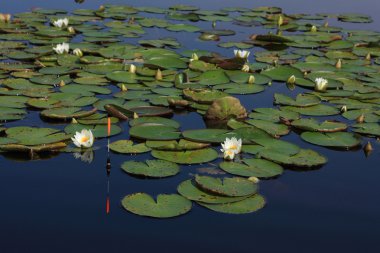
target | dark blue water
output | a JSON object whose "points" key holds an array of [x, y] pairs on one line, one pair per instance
{"points": [[59, 204]]}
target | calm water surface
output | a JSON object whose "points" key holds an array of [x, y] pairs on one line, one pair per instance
{"points": [[59, 204]]}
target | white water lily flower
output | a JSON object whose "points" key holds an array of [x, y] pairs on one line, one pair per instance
{"points": [[229, 154], [232, 144], [320, 84], [62, 22], [85, 138], [62, 48], [243, 54]]}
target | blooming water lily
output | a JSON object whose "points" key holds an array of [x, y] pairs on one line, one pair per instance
{"points": [[243, 54], [62, 48], [85, 138], [320, 84], [231, 147], [62, 22]]}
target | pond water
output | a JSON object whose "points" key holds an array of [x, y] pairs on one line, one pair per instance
{"points": [[60, 204]]}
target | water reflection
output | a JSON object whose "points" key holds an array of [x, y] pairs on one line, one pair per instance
{"points": [[86, 156]]}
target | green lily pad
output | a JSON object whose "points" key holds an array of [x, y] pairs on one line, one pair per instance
{"points": [[282, 73], [228, 186], [311, 124], [302, 100], [187, 156], [253, 167], [153, 131], [166, 206], [304, 158], [248, 205], [336, 140], [175, 145], [315, 110], [33, 136], [372, 129], [127, 147], [64, 113], [151, 168], [189, 190]]}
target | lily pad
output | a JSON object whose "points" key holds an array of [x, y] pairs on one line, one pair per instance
{"points": [[311, 124], [153, 131], [336, 140], [166, 205], [253, 167], [189, 190], [187, 156], [228, 186], [248, 205], [151, 168], [127, 147]]}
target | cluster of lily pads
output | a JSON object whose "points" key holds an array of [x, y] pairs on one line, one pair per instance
{"points": [[79, 70]]}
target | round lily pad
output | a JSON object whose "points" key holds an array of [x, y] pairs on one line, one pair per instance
{"points": [[151, 168], [248, 205], [228, 186], [127, 147], [304, 158], [189, 190], [166, 205], [312, 124], [336, 140], [187, 156], [253, 167], [154, 131]]}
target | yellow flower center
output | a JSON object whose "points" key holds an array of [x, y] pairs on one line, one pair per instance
{"points": [[233, 147], [84, 139]]}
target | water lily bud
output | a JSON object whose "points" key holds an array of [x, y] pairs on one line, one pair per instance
{"points": [[343, 109], [254, 179], [5, 17], [158, 75], [78, 52], [245, 68], [74, 121], [292, 79], [320, 84], [71, 29], [360, 119], [280, 21], [135, 115], [213, 24], [194, 57], [101, 8], [313, 29], [132, 69], [131, 21], [338, 64], [368, 149], [326, 24], [124, 88], [368, 57], [62, 83], [251, 79], [275, 63]]}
